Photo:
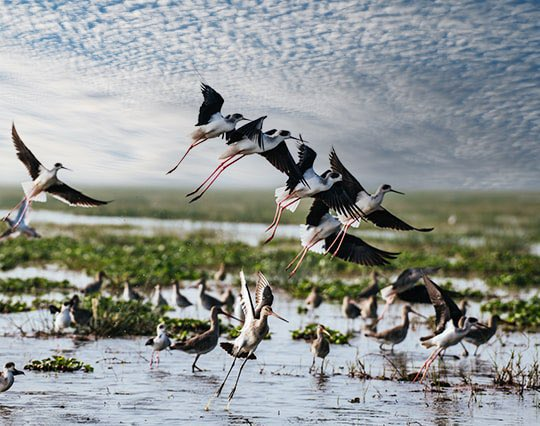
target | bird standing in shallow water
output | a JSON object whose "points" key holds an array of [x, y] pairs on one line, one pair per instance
{"points": [[397, 334], [207, 301], [480, 336], [350, 310], [46, 181], [253, 331], [129, 293], [320, 347], [178, 298], [157, 298], [211, 123], [314, 299], [95, 286], [7, 377], [62, 316], [158, 343], [204, 342], [79, 316]]}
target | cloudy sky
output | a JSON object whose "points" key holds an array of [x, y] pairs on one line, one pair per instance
{"points": [[418, 94]]}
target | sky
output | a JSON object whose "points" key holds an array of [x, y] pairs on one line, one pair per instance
{"points": [[417, 94]]}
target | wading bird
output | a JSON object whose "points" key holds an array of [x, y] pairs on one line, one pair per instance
{"points": [[314, 299], [368, 204], [228, 299], [204, 342], [320, 347], [7, 377], [211, 123], [130, 294], [157, 298], [207, 301], [158, 343], [23, 228], [178, 298], [327, 187], [397, 334], [95, 287], [367, 299], [350, 310], [79, 316], [321, 228], [480, 336], [253, 331], [248, 140], [45, 181]]}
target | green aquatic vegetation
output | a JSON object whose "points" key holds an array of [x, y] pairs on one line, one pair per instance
{"points": [[184, 328], [234, 332], [309, 332], [13, 306], [58, 364], [521, 314], [36, 285], [117, 318]]}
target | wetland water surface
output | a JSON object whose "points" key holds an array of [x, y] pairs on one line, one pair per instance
{"points": [[274, 389]]}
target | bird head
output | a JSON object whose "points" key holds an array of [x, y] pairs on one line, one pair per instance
{"points": [[267, 311], [237, 117], [59, 166], [321, 329], [332, 176], [161, 328], [384, 188], [10, 366]]}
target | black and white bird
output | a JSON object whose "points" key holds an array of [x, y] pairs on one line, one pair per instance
{"points": [[369, 204], [248, 140], [62, 316], [327, 187], [79, 316], [22, 218], [211, 122], [7, 376], [158, 343], [46, 181], [320, 231]]}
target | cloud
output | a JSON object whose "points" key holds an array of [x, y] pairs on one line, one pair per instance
{"points": [[413, 94]]}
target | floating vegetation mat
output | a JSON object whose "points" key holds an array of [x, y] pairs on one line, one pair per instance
{"points": [[309, 332], [59, 364]]}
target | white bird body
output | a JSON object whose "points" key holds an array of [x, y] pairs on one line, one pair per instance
{"points": [[158, 343], [367, 203], [451, 336], [7, 376], [62, 319], [314, 236], [214, 128], [247, 146]]}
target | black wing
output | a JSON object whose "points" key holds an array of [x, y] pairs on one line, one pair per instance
{"points": [[281, 158], [25, 155], [355, 250], [384, 219], [316, 212], [339, 200], [417, 294], [352, 186], [251, 130], [71, 196], [212, 103], [445, 307], [306, 158]]}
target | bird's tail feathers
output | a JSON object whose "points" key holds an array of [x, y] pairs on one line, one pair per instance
{"points": [[197, 134], [281, 195], [229, 348]]}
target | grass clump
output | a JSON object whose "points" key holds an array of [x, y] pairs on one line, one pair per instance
{"points": [[12, 307], [522, 314], [58, 364], [309, 332]]}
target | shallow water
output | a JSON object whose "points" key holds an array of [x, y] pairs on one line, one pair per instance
{"points": [[275, 389]]}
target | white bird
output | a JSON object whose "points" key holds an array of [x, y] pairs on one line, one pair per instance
{"points": [[158, 343], [62, 316], [368, 204], [22, 218], [248, 140], [328, 187], [7, 377], [253, 331], [45, 181], [211, 123]]}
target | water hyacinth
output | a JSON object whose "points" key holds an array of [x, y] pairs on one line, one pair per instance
{"points": [[59, 364]]}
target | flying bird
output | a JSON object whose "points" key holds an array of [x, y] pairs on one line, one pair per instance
{"points": [[327, 187], [369, 204], [46, 181], [211, 123], [248, 140], [23, 228], [320, 231]]}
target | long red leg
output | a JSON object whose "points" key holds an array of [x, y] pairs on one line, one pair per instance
{"points": [[193, 145], [210, 176], [281, 209], [215, 178], [294, 260], [342, 238], [28, 204], [333, 242], [306, 249], [278, 205]]}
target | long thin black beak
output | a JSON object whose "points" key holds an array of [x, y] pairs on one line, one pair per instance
{"points": [[231, 316], [246, 119], [397, 192], [18, 372], [418, 313], [66, 168]]}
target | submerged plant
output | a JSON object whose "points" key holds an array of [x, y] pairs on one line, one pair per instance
{"points": [[58, 364]]}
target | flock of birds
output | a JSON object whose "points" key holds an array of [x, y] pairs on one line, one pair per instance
{"points": [[334, 190]]}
